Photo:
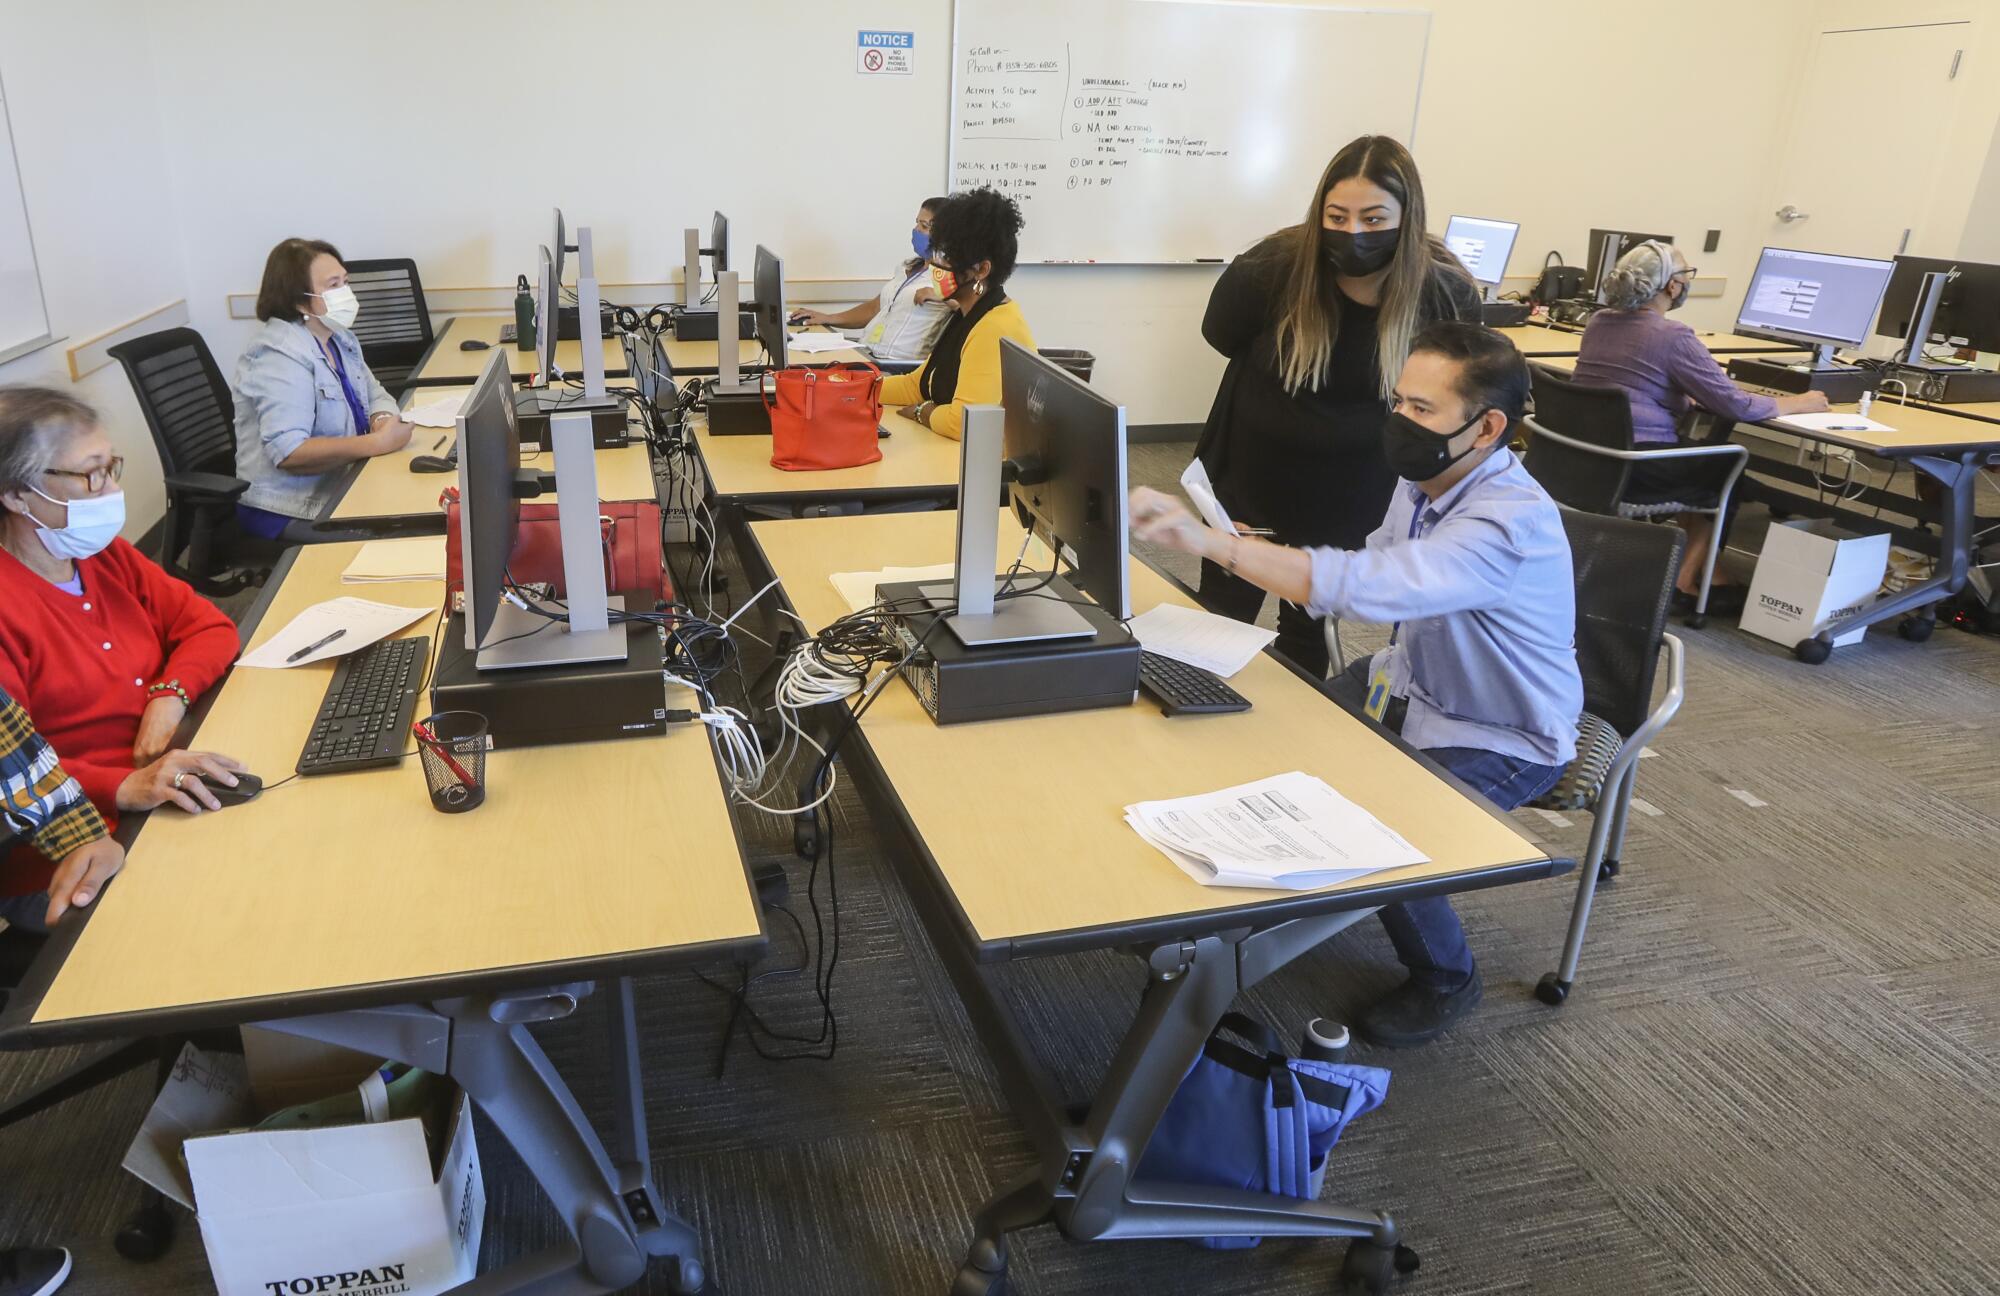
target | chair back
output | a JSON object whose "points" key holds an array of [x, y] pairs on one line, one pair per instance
{"points": [[1599, 416], [394, 326], [1624, 586], [1080, 363], [187, 405]]}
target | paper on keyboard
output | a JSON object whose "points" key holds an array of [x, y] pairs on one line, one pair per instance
{"points": [[1831, 421], [1289, 831], [1218, 644], [439, 413], [1194, 480], [857, 589], [811, 343], [363, 621], [417, 558]]}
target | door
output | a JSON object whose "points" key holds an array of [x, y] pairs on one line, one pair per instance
{"points": [[1864, 143]]}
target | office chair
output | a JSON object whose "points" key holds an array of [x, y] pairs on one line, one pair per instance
{"points": [[1624, 583], [394, 326], [1581, 451], [149, 1230], [192, 417]]}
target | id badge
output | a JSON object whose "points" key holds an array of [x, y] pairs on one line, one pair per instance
{"points": [[881, 327], [1378, 694]]}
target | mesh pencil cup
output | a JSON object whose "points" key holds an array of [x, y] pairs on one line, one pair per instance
{"points": [[453, 746]]}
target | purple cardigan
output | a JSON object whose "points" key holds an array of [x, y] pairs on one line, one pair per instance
{"points": [[1664, 369]]}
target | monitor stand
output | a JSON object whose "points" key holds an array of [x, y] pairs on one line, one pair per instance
{"points": [[520, 638], [1028, 619]]}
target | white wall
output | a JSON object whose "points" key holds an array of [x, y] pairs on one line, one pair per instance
{"points": [[80, 89]]}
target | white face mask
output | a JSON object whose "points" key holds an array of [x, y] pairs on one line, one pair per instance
{"points": [[94, 522], [342, 307]]}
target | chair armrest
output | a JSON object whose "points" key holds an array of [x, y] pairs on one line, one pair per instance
{"points": [[1671, 452], [1657, 719], [212, 486]]}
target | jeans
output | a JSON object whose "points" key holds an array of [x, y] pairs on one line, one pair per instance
{"points": [[28, 913], [1426, 933], [1301, 636]]}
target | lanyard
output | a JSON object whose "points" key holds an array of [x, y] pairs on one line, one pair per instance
{"points": [[331, 351], [1416, 525]]}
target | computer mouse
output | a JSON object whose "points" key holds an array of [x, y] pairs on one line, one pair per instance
{"points": [[473, 344], [246, 789], [431, 464]]}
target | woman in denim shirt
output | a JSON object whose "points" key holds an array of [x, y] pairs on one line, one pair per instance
{"points": [[306, 404]]}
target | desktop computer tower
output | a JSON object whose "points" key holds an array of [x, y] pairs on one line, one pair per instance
{"points": [[955, 683], [1842, 386], [1959, 386], [569, 323], [536, 705], [701, 324], [532, 408]]}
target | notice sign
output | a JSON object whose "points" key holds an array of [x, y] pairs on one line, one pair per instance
{"points": [[885, 53]]}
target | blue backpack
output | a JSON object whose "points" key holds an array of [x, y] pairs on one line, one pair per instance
{"points": [[1257, 1119]]}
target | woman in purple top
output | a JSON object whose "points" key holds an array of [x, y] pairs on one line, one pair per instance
{"points": [[1666, 372]]}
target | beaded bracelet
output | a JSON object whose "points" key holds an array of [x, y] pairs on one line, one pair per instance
{"points": [[172, 686]]}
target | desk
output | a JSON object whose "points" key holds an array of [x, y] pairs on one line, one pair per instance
{"points": [[349, 911], [705, 357], [384, 490], [1543, 341], [1010, 837], [917, 467], [446, 364]]}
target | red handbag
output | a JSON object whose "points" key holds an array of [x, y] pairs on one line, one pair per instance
{"points": [[824, 418], [633, 561]]}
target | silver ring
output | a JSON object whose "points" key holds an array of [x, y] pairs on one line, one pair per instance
{"points": [[177, 779]]}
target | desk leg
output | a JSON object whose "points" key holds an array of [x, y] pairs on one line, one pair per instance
{"points": [[1094, 1194], [1960, 479], [614, 1214]]}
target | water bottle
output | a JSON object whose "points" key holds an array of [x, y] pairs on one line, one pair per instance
{"points": [[524, 315], [1324, 1041]]}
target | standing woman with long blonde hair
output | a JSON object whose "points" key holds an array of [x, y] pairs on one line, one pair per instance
{"points": [[1316, 321]]}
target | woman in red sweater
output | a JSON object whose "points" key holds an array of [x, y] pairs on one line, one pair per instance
{"points": [[103, 649]]}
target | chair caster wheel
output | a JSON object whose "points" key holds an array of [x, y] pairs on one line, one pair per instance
{"points": [[1367, 1268], [1916, 629], [1812, 651], [1608, 869], [974, 1281], [1551, 991], [688, 1278], [146, 1233], [1407, 1260], [1697, 620]]}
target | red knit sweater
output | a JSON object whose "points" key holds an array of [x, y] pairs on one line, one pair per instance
{"points": [[81, 664]]}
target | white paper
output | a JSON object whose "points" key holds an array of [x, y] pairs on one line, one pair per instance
{"points": [[1832, 421], [1289, 831], [1218, 644], [362, 621], [439, 413], [413, 559], [1194, 480], [812, 343], [857, 589]]}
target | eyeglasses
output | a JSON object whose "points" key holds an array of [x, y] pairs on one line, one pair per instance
{"points": [[97, 478], [1689, 272]]}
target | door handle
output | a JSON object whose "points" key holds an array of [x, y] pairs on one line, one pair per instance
{"points": [[1789, 213]]}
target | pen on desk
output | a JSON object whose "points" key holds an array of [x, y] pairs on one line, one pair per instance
{"points": [[440, 445], [314, 647]]}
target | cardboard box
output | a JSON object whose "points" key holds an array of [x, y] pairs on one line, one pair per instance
{"points": [[1812, 575], [355, 1210]]}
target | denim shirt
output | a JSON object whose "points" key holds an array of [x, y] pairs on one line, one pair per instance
{"points": [[286, 392], [1482, 586]]}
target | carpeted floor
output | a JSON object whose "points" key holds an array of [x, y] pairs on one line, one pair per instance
{"points": [[1780, 1072]]}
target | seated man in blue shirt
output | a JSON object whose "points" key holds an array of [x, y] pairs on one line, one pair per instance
{"points": [[1472, 568]]}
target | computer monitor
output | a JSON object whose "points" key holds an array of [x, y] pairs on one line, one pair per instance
{"points": [[1968, 308], [561, 246], [1818, 298], [1483, 246], [1064, 447], [769, 290], [489, 463], [718, 243], [546, 316], [1606, 246]]}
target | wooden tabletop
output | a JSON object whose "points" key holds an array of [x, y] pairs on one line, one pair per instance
{"points": [[703, 357], [448, 364], [1538, 341], [913, 458], [580, 852], [1025, 817], [385, 488]]}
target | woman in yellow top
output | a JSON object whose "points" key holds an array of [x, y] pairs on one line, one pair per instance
{"points": [[975, 238]]}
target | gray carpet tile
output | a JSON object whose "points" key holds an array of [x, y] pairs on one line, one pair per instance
{"points": [[1780, 1071]]}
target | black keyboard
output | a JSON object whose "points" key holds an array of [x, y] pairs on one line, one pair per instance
{"points": [[364, 719], [1181, 689]]}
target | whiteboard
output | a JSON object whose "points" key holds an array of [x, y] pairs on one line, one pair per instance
{"points": [[24, 318], [1148, 131]]}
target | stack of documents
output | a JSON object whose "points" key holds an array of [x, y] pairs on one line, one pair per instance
{"points": [[1218, 644], [439, 412], [813, 343], [414, 559], [1832, 421], [857, 589], [1289, 831], [330, 629]]}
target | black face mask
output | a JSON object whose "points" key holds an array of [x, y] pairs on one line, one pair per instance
{"points": [[1417, 453], [1355, 255]]}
